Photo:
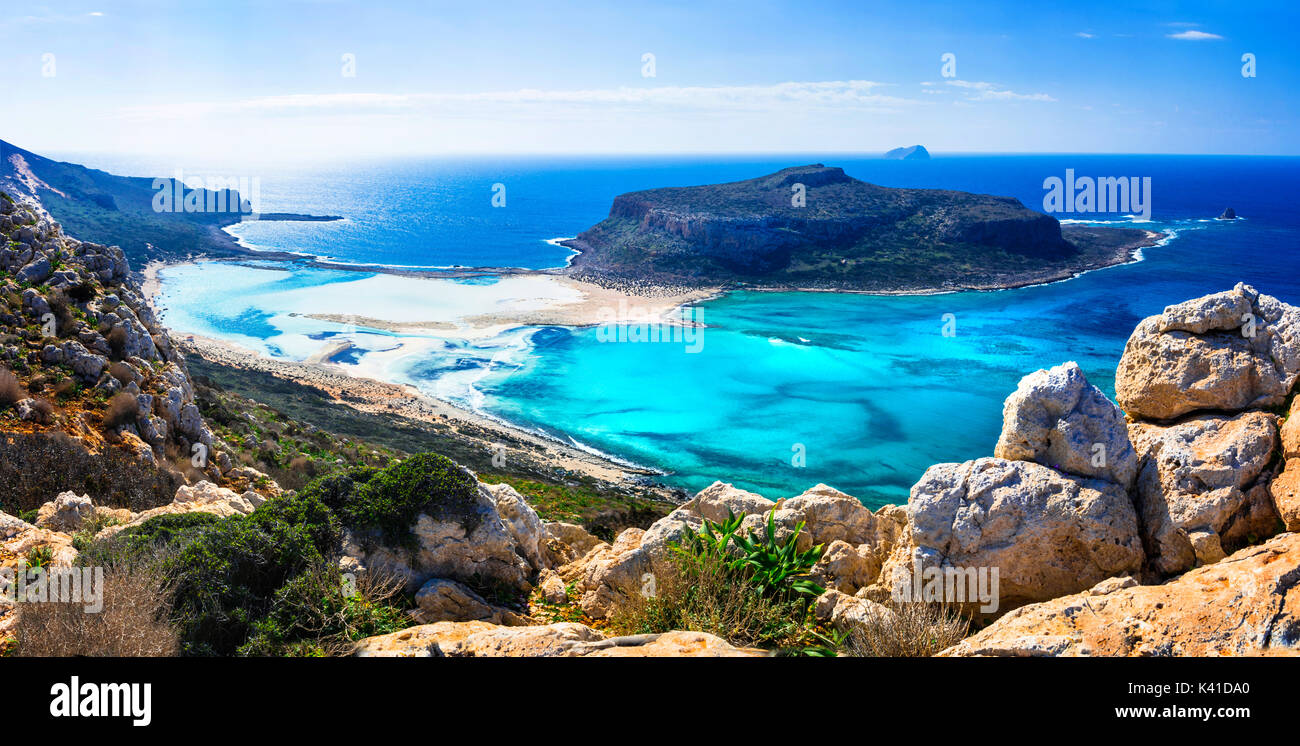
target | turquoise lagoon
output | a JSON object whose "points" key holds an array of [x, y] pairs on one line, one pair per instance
{"points": [[787, 389]]}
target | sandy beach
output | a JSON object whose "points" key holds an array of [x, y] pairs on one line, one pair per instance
{"points": [[556, 300], [379, 397]]}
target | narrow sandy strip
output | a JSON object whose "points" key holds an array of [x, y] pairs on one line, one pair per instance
{"points": [[378, 397]]}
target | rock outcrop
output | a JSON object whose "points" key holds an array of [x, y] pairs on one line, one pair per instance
{"points": [[1224, 352], [611, 574], [107, 406], [1203, 490], [1285, 488], [476, 544], [1057, 419], [1246, 604], [1047, 533], [563, 639], [442, 600]]}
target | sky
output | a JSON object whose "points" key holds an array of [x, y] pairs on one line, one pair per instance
{"points": [[326, 80]]}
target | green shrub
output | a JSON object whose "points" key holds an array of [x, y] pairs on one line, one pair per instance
{"points": [[389, 500], [267, 583], [749, 590], [41, 556], [318, 613]]}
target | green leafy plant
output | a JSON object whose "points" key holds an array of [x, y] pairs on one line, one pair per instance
{"points": [[751, 590], [771, 566], [42, 556]]}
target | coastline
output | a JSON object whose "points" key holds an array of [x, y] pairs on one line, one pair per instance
{"points": [[380, 397], [594, 304], [1121, 255]]}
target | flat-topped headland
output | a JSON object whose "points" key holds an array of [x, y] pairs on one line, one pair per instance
{"points": [[817, 228]]}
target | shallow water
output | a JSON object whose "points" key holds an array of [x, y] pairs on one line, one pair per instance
{"points": [[867, 389]]}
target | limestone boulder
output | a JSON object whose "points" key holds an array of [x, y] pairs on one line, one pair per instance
{"points": [[563, 639], [66, 513], [1226, 352], [1246, 604], [610, 575], [1057, 419], [1047, 534], [1284, 491], [1202, 490], [845, 612], [19, 538], [521, 522], [846, 568], [442, 600], [473, 545], [565, 542], [719, 499], [552, 587], [204, 497], [1285, 488]]}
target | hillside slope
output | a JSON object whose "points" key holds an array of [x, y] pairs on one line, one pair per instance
{"points": [[119, 210]]}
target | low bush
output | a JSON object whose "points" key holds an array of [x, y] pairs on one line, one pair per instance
{"points": [[122, 410], [322, 613], [11, 390], [914, 630], [134, 621], [267, 583], [752, 591]]}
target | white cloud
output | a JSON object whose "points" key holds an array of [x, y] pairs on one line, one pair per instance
{"points": [[852, 94], [1085, 35], [1193, 35], [983, 91]]}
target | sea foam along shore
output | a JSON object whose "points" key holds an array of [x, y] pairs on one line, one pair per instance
{"points": [[561, 301]]}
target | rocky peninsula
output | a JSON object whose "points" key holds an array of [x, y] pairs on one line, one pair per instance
{"points": [[815, 227]]}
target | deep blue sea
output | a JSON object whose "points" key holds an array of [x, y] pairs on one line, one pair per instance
{"points": [[866, 389]]}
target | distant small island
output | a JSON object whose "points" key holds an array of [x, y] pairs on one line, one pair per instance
{"points": [[816, 228], [914, 153]]}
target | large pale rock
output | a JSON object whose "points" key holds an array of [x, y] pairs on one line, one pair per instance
{"points": [[844, 612], [1285, 488], [18, 538], [442, 600], [564, 639], [1057, 419], [610, 574], [1291, 431], [204, 497], [566, 542], [1228, 351], [846, 568], [475, 547], [1246, 604], [715, 501], [65, 513], [1202, 489], [830, 515], [522, 522], [675, 644], [1047, 534], [1285, 492], [552, 587]]}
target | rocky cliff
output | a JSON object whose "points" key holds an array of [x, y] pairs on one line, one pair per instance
{"points": [[93, 397], [815, 226]]}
